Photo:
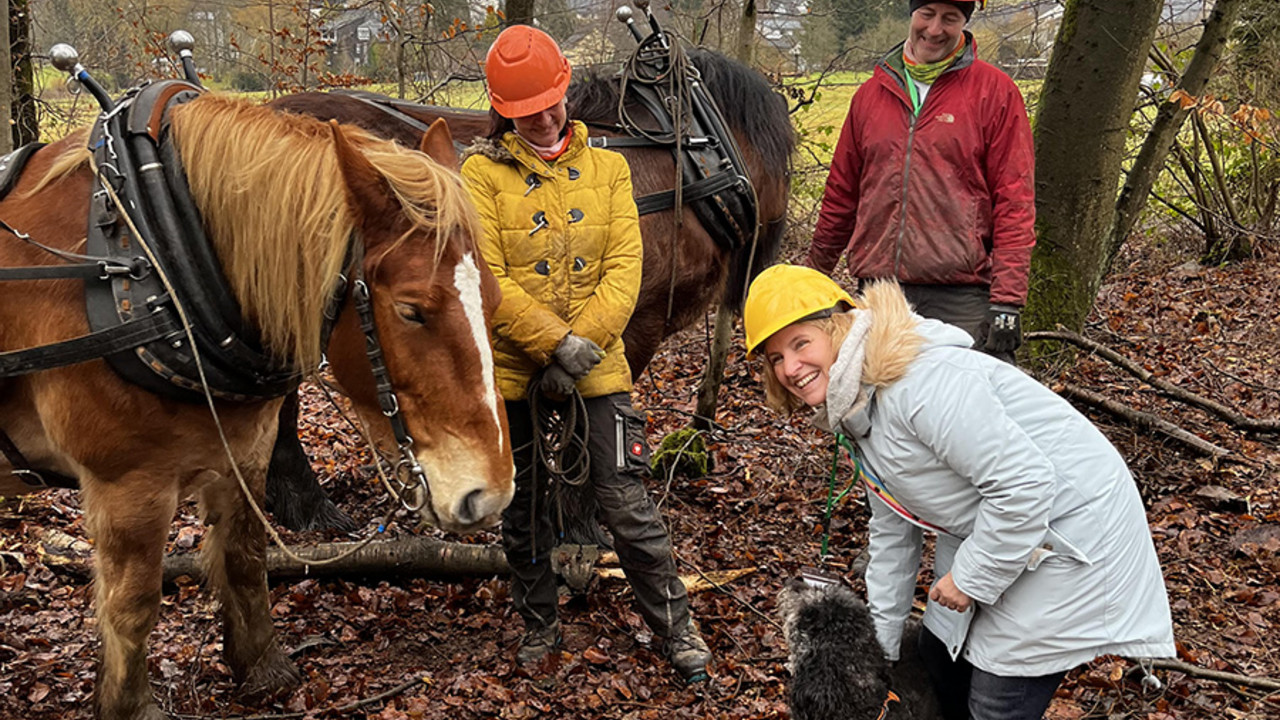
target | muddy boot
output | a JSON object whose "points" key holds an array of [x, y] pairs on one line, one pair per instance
{"points": [[538, 642], [688, 654]]}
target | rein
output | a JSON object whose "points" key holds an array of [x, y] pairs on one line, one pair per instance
{"points": [[167, 318], [559, 446]]}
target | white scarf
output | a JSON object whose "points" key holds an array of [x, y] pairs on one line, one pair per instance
{"points": [[845, 392]]}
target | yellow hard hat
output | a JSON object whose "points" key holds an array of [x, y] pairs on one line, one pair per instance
{"points": [[783, 294]]}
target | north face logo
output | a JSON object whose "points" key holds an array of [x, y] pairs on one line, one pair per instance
{"points": [[947, 118]]}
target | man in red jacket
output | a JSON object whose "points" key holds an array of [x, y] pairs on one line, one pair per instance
{"points": [[932, 182]]}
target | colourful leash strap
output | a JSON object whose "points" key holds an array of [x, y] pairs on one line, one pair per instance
{"points": [[877, 487], [832, 500], [884, 709]]}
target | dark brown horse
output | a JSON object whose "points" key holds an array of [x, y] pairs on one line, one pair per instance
{"points": [[687, 256], [282, 198]]}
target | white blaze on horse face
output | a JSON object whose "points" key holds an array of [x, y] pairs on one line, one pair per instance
{"points": [[458, 467], [466, 278]]}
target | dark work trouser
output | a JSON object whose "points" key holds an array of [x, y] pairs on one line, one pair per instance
{"points": [[967, 693], [618, 472], [964, 306]]}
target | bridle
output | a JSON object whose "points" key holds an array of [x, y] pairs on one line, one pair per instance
{"points": [[135, 168]]}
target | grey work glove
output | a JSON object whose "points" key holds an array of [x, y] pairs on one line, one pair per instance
{"points": [[577, 355], [1004, 329], [556, 382]]}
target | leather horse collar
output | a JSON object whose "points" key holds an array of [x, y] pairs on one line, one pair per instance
{"points": [[714, 176]]}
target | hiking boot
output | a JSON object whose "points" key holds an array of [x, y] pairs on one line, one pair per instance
{"points": [[688, 654], [537, 643]]}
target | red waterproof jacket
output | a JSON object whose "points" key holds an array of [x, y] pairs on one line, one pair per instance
{"points": [[944, 197]]}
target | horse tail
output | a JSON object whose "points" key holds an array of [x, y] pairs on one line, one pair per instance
{"points": [[748, 261]]}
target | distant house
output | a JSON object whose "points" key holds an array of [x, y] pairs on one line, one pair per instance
{"points": [[350, 36]]}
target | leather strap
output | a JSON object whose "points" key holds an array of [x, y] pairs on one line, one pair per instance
{"points": [[697, 190], [156, 325], [36, 479]]}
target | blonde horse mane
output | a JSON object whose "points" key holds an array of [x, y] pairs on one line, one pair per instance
{"points": [[274, 202]]}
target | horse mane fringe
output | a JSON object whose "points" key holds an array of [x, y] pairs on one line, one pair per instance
{"points": [[275, 204], [65, 164]]}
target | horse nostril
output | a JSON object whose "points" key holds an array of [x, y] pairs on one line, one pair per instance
{"points": [[469, 509]]}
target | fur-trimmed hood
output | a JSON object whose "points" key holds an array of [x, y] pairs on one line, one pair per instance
{"points": [[514, 150], [895, 339], [486, 147]]}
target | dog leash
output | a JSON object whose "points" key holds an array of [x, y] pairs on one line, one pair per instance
{"points": [[875, 486], [884, 709], [832, 498]]}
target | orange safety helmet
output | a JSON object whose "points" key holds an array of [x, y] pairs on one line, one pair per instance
{"points": [[526, 72]]}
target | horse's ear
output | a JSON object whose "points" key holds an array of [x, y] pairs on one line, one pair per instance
{"points": [[367, 191], [437, 143]]}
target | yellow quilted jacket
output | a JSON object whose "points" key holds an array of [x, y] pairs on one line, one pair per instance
{"points": [[563, 239]]}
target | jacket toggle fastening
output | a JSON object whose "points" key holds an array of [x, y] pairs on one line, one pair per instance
{"points": [[539, 222], [575, 215], [533, 181]]}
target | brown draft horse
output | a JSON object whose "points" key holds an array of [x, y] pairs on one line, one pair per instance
{"points": [[281, 197], [685, 255]]}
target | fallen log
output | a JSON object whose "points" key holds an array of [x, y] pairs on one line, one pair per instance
{"points": [[1168, 389], [411, 555], [1142, 420]]}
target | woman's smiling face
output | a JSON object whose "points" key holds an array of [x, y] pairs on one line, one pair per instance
{"points": [[800, 356]]}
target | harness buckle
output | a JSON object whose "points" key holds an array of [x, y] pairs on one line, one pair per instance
{"points": [[391, 407], [30, 478]]}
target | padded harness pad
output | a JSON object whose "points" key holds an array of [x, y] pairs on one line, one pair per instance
{"points": [[11, 166]]}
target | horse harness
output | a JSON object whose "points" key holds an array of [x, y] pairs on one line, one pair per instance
{"points": [[714, 179], [146, 242]]}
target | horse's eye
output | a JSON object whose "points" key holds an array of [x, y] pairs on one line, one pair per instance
{"points": [[411, 313]]}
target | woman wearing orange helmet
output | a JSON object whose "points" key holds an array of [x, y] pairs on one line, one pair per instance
{"points": [[1043, 557], [562, 235]]}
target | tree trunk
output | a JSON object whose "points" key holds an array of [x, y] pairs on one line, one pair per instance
{"points": [[519, 12], [709, 386], [1169, 118], [26, 126], [1081, 128], [6, 85], [746, 31]]}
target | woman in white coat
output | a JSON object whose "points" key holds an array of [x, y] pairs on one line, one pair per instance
{"points": [[1043, 553]]}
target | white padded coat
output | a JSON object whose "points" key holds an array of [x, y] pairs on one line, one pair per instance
{"points": [[1046, 529]]}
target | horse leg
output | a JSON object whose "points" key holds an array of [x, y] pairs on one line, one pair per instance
{"points": [[129, 519], [236, 568], [293, 491]]}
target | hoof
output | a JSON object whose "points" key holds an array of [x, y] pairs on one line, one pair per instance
{"points": [[143, 711], [313, 512], [274, 673]]}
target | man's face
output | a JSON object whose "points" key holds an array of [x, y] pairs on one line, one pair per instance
{"points": [[936, 30]]}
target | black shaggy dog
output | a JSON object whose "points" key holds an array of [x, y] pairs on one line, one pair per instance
{"points": [[838, 670]]}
